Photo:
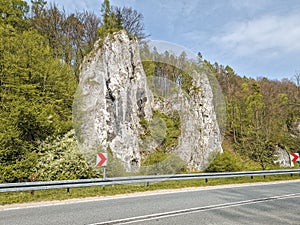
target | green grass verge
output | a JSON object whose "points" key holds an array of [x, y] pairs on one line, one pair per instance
{"points": [[62, 194]]}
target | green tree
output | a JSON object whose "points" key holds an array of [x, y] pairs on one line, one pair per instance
{"points": [[261, 151], [111, 22], [36, 97], [116, 18], [13, 12], [70, 37]]}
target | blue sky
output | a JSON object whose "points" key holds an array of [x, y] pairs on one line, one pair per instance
{"points": [[255, 37]]}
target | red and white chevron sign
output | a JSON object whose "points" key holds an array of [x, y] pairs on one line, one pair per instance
{"points": [[294, 157], [101, 159]]}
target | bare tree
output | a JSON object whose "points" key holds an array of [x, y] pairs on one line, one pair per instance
{"points": [[90, 24], [296, 78], [131, 20]]}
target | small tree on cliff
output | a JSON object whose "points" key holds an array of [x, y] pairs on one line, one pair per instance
{"points": [[116, 18], [111, 23], [132, 21]]}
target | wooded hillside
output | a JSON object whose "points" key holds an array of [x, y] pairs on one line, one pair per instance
{"points": [[41, 50]]}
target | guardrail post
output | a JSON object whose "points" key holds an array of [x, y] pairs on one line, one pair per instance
{"points": [[251, 177], [33, 178], [206, 180], [68, 190]]}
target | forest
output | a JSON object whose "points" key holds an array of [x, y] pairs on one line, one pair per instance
{"points": [[41, 50]]}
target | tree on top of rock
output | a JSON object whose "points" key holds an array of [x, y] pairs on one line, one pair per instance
{"points": [[111, 23], [116, 18]]}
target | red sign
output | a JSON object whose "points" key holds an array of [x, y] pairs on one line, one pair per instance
{"points": [[101, 159], [294, 157]]}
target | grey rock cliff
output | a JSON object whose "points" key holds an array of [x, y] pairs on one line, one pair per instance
{"points": [[200, 137], [113, 96]]}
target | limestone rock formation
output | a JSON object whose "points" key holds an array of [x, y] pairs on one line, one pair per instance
{"points": [[283, 157], [113, 96], [200, 137]]}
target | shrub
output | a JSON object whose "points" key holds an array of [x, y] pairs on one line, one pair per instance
{"points": [[225, 162], [60, 159], [162, 163], [115, 167]]}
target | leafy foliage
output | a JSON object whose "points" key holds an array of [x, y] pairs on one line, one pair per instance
{"points": [[225, 162], [36, 94], [70, 37], [13, 12], [111, 21], [177, 69], [164, 130], [60, 159], [162, 163], [40, 55], [170, 136], [261, 114], [115, 167]]}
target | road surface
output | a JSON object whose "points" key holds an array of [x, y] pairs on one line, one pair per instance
{"points": [[276, 203]]}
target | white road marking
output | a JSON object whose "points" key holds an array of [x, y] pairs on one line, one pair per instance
{"points": [[154, 216], [132, 195]]}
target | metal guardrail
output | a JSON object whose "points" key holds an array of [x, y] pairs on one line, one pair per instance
{"points": [[43, 185]]}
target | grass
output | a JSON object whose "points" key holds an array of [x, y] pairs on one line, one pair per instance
{"points": [[62, 194]]}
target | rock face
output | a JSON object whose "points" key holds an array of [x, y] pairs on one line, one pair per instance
{"points": [[200, 137], [113, 96], [283, 157]]}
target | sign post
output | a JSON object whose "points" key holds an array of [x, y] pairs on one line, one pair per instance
{"points": [[101, 160], [104, 173]]}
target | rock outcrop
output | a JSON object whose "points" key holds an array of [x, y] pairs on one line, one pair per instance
{"points": [[113, 96], [200, 137], [283, 157]]}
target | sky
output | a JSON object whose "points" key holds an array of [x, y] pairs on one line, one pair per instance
{"points": [[257, 38]]}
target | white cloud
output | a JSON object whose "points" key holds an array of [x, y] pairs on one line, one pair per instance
{"points": [[268, 35]]}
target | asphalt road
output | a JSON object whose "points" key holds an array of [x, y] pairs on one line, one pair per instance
{"points": [[255, 204]]}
